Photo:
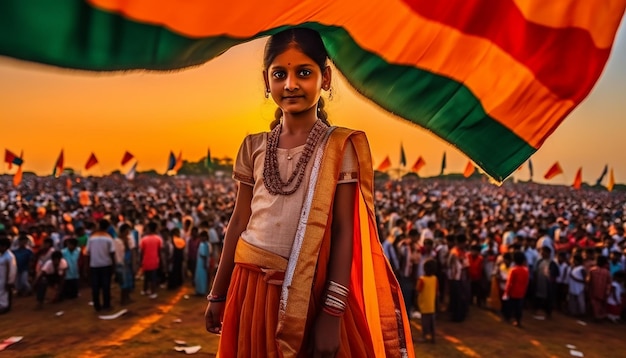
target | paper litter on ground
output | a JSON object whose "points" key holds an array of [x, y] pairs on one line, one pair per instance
{"points": [[59, 314], [570, 346], [582, 323], [113, 316], [177, 320], [188, 350], [9, 341], [540, 318], [180, 343], [576, 353]]}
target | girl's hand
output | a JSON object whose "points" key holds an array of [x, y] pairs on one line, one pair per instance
{"points": [[213, 317], [326, 336]]}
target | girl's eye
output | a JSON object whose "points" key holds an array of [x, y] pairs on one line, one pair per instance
{"points": [[304, 73], [278, 74]]}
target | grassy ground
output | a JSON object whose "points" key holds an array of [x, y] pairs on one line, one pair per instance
{"points": [[149, 329]]}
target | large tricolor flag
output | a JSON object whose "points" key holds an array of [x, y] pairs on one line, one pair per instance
{"points": [[493, 77], [58, 166]]}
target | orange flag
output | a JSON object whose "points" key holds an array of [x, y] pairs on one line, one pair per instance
{"points": [[419, 164], [179, 162], [611, 182], [17, 178], [578, 181], [91, 161], [554, 170], [469, 169], [58, 166], [386, 164]]}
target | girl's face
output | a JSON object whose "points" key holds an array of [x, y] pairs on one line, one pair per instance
{"points": [[295, 81]]}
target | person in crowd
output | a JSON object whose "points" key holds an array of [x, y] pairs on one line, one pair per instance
{"points": [[515, 289], [71, 255], [427, 299]]}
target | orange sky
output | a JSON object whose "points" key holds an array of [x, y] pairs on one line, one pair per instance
{"points": [[43, 109]]}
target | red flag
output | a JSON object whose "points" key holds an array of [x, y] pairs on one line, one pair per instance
{"points": [[91, 161], [469, 169], [554, 170], [10, 158], [578, 181], [58, 166], [419, 164], [127, 157], [386, 164]]}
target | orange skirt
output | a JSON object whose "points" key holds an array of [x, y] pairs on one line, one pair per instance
{"points": [[251, 312]]}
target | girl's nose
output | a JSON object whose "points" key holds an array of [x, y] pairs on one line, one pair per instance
{"points": [[291, 83]]}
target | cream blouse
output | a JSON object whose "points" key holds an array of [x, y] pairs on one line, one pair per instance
{"points": [[274, 218]]}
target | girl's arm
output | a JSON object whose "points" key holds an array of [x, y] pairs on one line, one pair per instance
{"points": [[327, 333], [238, 223]]}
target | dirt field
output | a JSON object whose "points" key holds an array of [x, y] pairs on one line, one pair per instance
{"points": [[150, 328]]}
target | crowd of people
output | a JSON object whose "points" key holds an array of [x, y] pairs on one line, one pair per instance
{"points": [[452, 244]]}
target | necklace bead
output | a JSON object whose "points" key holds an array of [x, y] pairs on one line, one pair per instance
{"points": [[271, 174]]}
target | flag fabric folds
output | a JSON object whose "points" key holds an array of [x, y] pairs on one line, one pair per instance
{"points": [[91, 161], [171, 162], [578, 180], [602, 175], [469, 169], [402, 156], [554, 170], [58, 166], [611, 183], [493, 77], [127, 158], [384, 165], [419, 164]]}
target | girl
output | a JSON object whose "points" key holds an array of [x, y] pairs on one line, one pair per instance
{"points": [[427, 297], [284, 286], [124, 248], [201, 276]]}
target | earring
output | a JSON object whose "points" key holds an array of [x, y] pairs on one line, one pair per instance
{"points": [[267, 93], [330, 93]]}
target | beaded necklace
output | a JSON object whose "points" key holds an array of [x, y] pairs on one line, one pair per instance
{"points": [[271, 175]]}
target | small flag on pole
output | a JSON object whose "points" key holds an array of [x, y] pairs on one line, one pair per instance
{"points": [[602, 175], [386, 164], [171, 161], [530, 169], [130, 175], [469, 169], [179, 162], [127, 158], [402, 156], [419, 164], [208, 163], [554, 170], [91, 161], [611, 182], [17, 178], [11, 158], [578, 180], [443, 163], [58, 166]]}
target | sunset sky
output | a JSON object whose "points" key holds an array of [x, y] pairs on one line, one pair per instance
{"points": [[44, 109]]}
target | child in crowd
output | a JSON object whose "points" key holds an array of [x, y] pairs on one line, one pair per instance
{"points": [[23, 257], [51, 274], [576, 287], [562, 280], [614, 302], [515, 289], [71, 255], [427, 298]]}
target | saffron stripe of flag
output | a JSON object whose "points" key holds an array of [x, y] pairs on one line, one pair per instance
{"points": [[459, 68]]}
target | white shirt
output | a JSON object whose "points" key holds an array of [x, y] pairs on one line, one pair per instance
{"points": [[576, 274], [48, 267]]}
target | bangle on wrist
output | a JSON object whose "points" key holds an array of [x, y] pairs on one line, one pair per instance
{"points": [[215, 298]]}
